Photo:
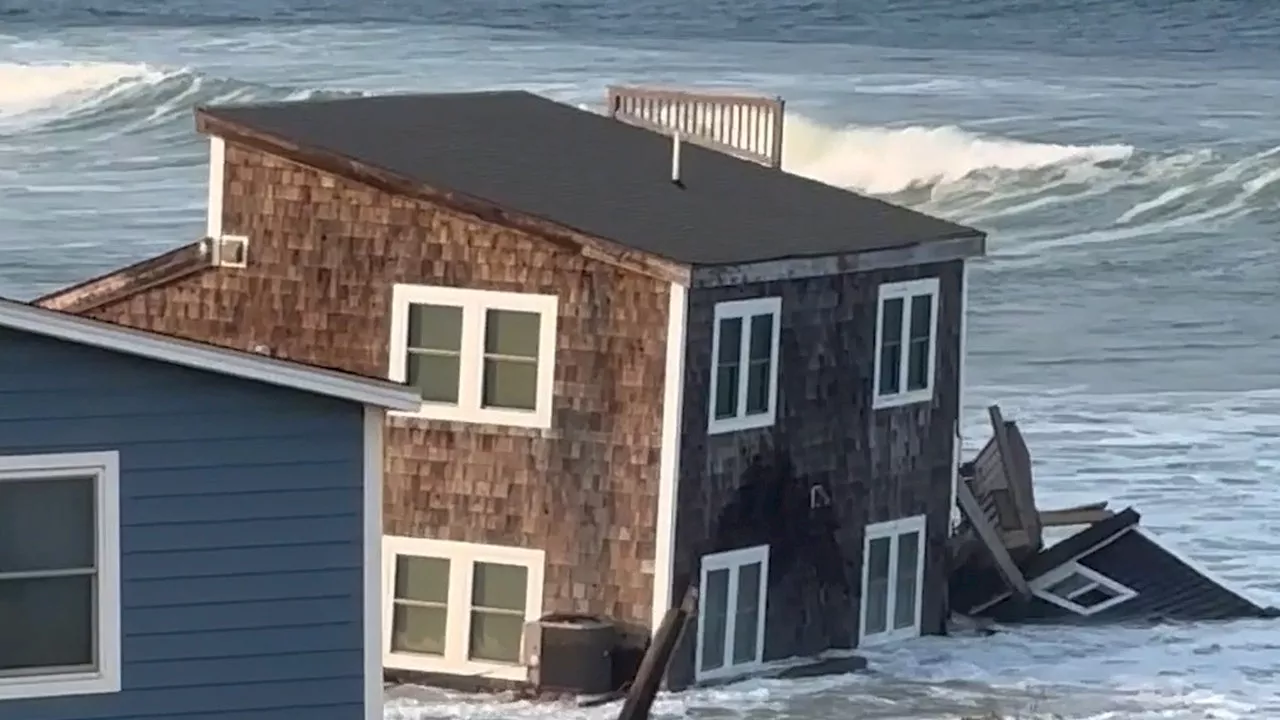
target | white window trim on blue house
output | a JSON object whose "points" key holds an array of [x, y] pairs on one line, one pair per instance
{"points": [[104, 677], [462, 558], [475, 305], [746, 311], [375, 422], [906, 291]]}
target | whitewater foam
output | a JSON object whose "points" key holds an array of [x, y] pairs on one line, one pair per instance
{"points": [[37, 88], [884, 161]]}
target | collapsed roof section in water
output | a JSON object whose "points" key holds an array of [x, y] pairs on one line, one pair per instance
{"points": [[1113, 570]]}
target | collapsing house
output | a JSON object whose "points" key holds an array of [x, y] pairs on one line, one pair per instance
{"points": [[645, 362], [1113, 570]]}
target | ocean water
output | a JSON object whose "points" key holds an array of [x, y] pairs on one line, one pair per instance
{"points": [[1124, 156]]}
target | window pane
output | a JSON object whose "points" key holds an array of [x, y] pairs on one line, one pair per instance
{"points": [[435, 376], [47, 622], [727, 391], [512, 333], [747, 615], [891, 347], [1073, 583], [424, 579], [891, 311], [714, 615], [47, 525], [730, 350], [877, 599], [920, 347], [918, 365], [761, 337], [890, 368], [496, 636], [511, 384], [904, 596], [418, 629], [501, 587], [435, 327], [758, 387], [759, 362], [1095, 595], [921, 313]]}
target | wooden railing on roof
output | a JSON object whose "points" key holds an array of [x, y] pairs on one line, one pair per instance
{"points": [[746, 126]]}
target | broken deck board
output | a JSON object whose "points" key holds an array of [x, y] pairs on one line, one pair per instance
{"points": [[991, 539]]}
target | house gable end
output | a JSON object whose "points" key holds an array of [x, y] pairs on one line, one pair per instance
{"points": [[351, 169]]}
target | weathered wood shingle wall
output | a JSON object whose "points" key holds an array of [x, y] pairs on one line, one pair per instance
{"points": [[323, 256], [753, 487]]}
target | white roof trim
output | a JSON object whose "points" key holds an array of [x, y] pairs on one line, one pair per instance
{"points": [[71, 328]]}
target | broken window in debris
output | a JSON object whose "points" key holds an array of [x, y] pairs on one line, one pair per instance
{"points": [[1085, 591]]}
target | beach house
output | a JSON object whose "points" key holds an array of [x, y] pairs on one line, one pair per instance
{"points": [[642, 363]]}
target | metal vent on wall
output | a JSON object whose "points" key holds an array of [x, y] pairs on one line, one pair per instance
{"points": [[231, 251]]}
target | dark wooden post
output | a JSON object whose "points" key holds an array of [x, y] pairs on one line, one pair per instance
{"points": [[658, 658]]}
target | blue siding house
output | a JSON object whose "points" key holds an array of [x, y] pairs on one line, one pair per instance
{"points": [[186, 532]]}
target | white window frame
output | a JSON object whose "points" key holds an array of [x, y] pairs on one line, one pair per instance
{"points": [[1040, 588], [891, 530], [462, 559], [745, 310], [904, 291], [733, 561], [474, 304], [104, 468]]}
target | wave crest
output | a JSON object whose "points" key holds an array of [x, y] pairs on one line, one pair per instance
{"points": [[118, 98], [29, 91], [886, 161]]}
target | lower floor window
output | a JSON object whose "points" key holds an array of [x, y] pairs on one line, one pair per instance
{"points": [[459, 607], [731, 611], [1080, 589], [892, 580], [59, 574]]}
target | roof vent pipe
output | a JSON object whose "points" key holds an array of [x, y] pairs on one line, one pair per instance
{"points": [[675, 158]]}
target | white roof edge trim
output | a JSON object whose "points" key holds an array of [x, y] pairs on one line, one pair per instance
{"points": [[225, 361]]}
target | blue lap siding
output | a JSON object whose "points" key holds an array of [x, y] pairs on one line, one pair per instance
{"points": [[241, 532]]}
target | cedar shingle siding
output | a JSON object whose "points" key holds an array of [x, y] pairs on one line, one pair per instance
{"points": [[752, 487], [323, 255]]}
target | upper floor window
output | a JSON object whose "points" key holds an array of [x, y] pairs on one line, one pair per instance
{"points": [[475, 355], [744, 364], [906, 340]]}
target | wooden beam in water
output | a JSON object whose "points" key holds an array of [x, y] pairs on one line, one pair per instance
{"points": [[1082, 515], [657, 658]]}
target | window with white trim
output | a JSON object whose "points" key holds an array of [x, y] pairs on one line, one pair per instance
{"points": [[1080, 589], [892, 580], [475, 355], [906, 342], [731, 607], [59, 575], [744, 364], [459, 608]]}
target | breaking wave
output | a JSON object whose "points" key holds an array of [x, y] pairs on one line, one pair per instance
{"points": [[116, 98], [987, 180], [997, 181], [885, 161]]}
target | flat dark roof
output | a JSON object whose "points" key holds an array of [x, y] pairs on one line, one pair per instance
{"points": [[597, 175]]}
